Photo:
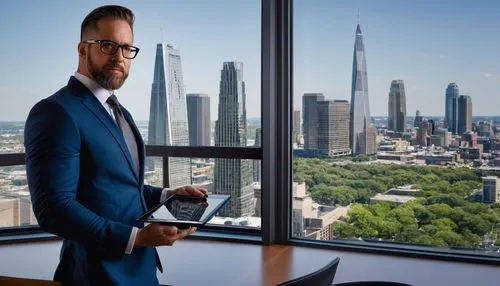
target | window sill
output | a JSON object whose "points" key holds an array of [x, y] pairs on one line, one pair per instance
{"points": [[251, 237], [398, 250], [33, 236]]}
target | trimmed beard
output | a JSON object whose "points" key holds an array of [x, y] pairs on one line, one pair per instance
{"points": [[103, 77]]}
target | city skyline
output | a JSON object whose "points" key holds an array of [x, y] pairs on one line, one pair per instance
{"points": [[438, 42]]}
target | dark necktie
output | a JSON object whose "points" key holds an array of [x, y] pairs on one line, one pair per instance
{"points": [[128, 135]]}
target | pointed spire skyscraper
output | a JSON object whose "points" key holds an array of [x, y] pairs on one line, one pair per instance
{"points": [[362, 133], [168, 123]]}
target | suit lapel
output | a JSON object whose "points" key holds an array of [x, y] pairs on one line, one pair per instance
{"points": [[91, 102]]}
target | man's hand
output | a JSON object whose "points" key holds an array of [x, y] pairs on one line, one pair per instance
{"points": [[189, 191], [156, 235]]}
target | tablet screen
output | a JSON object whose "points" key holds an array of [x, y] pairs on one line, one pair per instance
{"points": [[179, 208]]}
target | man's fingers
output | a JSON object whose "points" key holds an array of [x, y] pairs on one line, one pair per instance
{"points": [[180, 235], [185, 232], [193, 191], [170, 230]]}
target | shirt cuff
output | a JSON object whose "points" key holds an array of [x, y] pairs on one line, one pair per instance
{"points": [[131, 240]]}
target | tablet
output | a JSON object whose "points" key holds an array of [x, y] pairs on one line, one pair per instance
{"points": [[185, 211]]}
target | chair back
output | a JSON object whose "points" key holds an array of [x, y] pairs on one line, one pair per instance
{"points": [[321, 277]]}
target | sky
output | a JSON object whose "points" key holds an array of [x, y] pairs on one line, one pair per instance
{"points": [[426, 43]]}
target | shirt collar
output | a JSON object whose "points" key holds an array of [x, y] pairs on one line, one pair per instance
{"points": [[98, 91]]}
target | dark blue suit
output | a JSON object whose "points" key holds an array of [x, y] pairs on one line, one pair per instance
{"points": [[84, 188]]}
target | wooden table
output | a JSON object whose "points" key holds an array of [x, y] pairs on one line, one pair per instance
{"points": [[224, 263]]}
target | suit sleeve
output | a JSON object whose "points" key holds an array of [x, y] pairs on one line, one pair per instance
{"points": [[152, 195], [52, 142]]}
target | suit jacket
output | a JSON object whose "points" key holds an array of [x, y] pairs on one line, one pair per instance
{"points": [[84, 188]]}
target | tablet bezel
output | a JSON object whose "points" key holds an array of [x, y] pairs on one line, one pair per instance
{"points": [[183, 223]]}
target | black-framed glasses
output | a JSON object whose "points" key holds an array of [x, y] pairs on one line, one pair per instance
{"points": [[109, 47]]}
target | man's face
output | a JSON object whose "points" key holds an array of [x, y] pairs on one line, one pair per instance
{"points": [[109, 71]]}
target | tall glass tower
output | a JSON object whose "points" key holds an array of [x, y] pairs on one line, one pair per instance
{"points": [[310, 118], [168, 123], [464, 107], [362, 134], [233, 176], [198, 107], [397, 106], [451, 107]]}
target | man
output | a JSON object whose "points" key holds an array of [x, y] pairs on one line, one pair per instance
{"points": [[85, 165]]}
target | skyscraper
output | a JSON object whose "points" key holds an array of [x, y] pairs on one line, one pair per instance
{"points": [[310, 119], [296, 126], [257, 173], [362, 137], [451, 109], [333, 129], [397, 107], [168, 123], [418, 119], [491, 189], [198, 107], [464, 114], [233, 176]]}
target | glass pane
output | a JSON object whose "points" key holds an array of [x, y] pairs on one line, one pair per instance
{"points": [[153, 175], [395, 132], [238, 178], [195, 81], [15, 201], [11, 136]]}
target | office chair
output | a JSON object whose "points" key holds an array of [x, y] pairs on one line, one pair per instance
{"points": [[371, 283], [322, 277]]}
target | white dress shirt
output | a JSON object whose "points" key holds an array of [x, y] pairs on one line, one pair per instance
{"points": [[102, 95]]}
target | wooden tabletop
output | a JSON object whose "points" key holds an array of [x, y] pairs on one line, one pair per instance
{"points": [[224, 263]]}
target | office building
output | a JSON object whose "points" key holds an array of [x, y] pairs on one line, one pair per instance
{"points": [[233, 176], [198, 107], [311, 220], [296, 126], [451, 108], [485, 128], [168, 122], [310, 119], [361, 131], [491, 189], [469, 139], [333, 127], [397, 107], [464, 114], [257, 172], [418, 119], [423, 133]]}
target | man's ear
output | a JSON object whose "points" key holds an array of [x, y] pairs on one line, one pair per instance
{"points": [[82, 50]]}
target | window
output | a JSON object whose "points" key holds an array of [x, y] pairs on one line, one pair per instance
{"points": [[195, 84], [395, 136]]}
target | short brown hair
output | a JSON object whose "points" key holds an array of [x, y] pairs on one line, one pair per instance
{"points": [[108, 11]]}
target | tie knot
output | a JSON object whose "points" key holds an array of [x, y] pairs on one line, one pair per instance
{"points": [[113, 101]]}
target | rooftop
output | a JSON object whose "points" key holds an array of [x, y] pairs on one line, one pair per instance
{"points": [[392, 198]]}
